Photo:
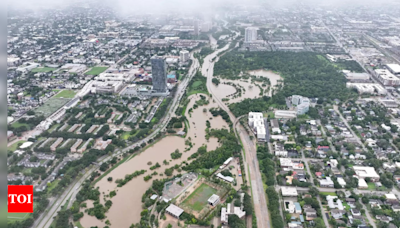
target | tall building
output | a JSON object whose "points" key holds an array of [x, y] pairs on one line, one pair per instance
{"points": [[159, 73], [206, 26], [196, 27], [250, 34], [184, 56]]}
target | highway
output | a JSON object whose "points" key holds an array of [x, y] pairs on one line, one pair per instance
{"points": [[71, 191], [46, 219], [258, 194]]}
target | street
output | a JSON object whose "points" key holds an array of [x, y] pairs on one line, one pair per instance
{"points": [[258, 193]]}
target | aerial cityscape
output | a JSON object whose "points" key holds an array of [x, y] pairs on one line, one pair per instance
{"points": [[214, 114]]}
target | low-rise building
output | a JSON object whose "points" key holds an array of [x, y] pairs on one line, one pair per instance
{"points": [[326, 183], [214, 200], [363, 172], [289, 191]]}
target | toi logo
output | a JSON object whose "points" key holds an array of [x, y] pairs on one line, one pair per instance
{"points": [[20, 199]]}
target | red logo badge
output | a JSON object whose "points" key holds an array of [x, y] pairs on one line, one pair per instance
{"points": [[20, 199]]}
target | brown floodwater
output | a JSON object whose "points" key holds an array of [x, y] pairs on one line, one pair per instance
{"points": [[223, 90], [274, 78], [127, 203]]}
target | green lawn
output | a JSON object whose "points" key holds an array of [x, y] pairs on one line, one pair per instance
{"points": [[18, 124], [198, 199], [17, 216], [196, 84], [27, 170], [125, 135], [66, 94], [52, 185], [51, 105], [15, 146], [346, 206], [53, 127], [371, 186], [12, 217], [96, 70], [116, 117], [43, 69]]}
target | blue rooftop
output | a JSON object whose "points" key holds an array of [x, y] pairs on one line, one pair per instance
{"points": [[301, 218]]}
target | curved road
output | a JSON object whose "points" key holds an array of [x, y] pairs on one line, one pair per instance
{"points": [[260, 203]]}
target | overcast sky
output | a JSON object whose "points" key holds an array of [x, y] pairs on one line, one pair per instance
{"points": [[177, 6]]}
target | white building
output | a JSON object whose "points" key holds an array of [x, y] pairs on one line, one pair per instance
{"points": [[289, 191], [356, 76], [285, 114], [386, 78], [326, 183], [184, 56], [275, 126], [214, 200], [225, 178], [394, 68], [250, 34], [367, 88], [301, 103], [13, 61], [173, 210], [226, 211], [363, 172], [332, 203], [27, 67], [341, 181], [256, 122]]}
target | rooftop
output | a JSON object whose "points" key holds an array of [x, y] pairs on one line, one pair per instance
{"points": [[174, 210]]}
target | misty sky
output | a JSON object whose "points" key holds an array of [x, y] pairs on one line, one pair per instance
{"points": [[186, 6]]}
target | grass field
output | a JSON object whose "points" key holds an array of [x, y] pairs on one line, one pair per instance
{"points": [[198, 199], [371, 186], [196, 84], [50, 106], [43, 69], [17, 216], [66, 94], [18, 124], [96, 70], [14, 146], [328, 193], [11, 217]]}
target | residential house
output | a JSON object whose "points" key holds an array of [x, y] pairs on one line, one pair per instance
{"points": [[326, 183], [337, 214]]}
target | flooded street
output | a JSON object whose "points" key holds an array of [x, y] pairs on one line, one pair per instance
{"points": [[127, 203]]}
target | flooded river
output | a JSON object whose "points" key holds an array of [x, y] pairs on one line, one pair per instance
{"points": [[127, 203], [273, 77]]}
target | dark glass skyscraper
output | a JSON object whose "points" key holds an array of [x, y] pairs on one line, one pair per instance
{"points": [[159, 72]]}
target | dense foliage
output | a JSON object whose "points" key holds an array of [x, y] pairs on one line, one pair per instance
{"points": [[216, 157], [267, 167], [304, 73]]}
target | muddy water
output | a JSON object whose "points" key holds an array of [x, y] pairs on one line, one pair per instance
{"points": [[127, 203], [274, 78], [222, 90]]}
